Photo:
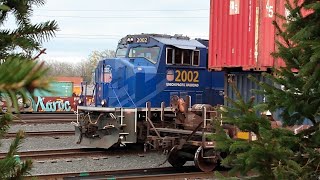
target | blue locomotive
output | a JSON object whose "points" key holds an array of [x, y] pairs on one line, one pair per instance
{"points": [[151, 67], [157, 86]]}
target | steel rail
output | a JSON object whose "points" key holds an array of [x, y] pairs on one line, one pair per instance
{"points": [[41, 115], [48, 116], [42, 121], [57, 154], [72, 153], [148, 173], [41, 133], [175, 176]]}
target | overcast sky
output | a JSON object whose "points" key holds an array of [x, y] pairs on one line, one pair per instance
{"points": [[86, 26]]}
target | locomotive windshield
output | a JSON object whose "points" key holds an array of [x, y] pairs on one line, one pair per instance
{"points": [[121, 52], [150, 53]]}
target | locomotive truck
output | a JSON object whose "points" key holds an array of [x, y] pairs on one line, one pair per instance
{"points": [[157, 91]]}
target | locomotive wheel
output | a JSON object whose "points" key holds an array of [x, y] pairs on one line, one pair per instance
{"points": [[206, 164], [174, 159]]}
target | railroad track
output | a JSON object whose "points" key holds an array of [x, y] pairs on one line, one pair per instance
{"points": [[150, 173], [45, 118], [74, 153], [43, 121], [57, 154], [46, 114], [42, 133]]}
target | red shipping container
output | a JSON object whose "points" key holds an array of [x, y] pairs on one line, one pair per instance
{"points": [[242, 34]]}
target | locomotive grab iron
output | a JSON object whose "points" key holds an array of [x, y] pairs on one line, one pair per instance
{"points": [[157, 91]]}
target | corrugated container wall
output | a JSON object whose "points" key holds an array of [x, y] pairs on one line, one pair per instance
{"points": [[242, 34], [75, 80], [57, 89], [244, 85]]}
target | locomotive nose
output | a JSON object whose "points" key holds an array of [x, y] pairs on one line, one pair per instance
{"points": [[107, 74], [116, 82]]}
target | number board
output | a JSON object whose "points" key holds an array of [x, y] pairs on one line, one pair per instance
{"points": [[141, 40], [182, 78]]}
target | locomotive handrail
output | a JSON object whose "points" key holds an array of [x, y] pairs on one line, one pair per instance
{"points": [[121, 116], [154, 128], [204, 117], [130, 98], [77, 113], [135, 119], [149, 122], [204, 114], [116, 96]]}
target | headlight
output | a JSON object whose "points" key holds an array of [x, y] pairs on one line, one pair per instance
{"points": [[130, 39], [79, 101]]}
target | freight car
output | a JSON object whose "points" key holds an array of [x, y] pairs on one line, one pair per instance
{"points": [[59, 98], [242, 35], [157, 91]]}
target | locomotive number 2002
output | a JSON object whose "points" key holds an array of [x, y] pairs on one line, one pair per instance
{"points": [[142, 40], [187, 76]]}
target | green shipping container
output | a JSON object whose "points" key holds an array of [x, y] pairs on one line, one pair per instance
{"points": [[58, 89]]}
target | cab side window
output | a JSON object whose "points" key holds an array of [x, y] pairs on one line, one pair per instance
{"points": [[176, 56], [169, 56], [186, 57], [195, 58]]}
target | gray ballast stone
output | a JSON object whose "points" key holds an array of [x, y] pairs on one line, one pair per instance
{"points": [[42, 143], [150, 160], [41, 127]]}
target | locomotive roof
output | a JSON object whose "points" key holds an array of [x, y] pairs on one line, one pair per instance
{"points": [[180, 43]]}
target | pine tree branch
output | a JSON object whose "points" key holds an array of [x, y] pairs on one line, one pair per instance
{"points": [[40, 32], [5, 119], [24, 169], [7, 167]]}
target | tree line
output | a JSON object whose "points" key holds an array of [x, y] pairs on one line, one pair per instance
{"points": [[84, 68]]}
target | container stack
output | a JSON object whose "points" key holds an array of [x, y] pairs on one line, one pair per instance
{"points": [[76, 83], [242, 37]]}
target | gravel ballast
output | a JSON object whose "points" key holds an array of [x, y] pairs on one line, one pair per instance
{"points": [[83, 164], [77, 165], [41, 127], [149, 160], [43, 143]]}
